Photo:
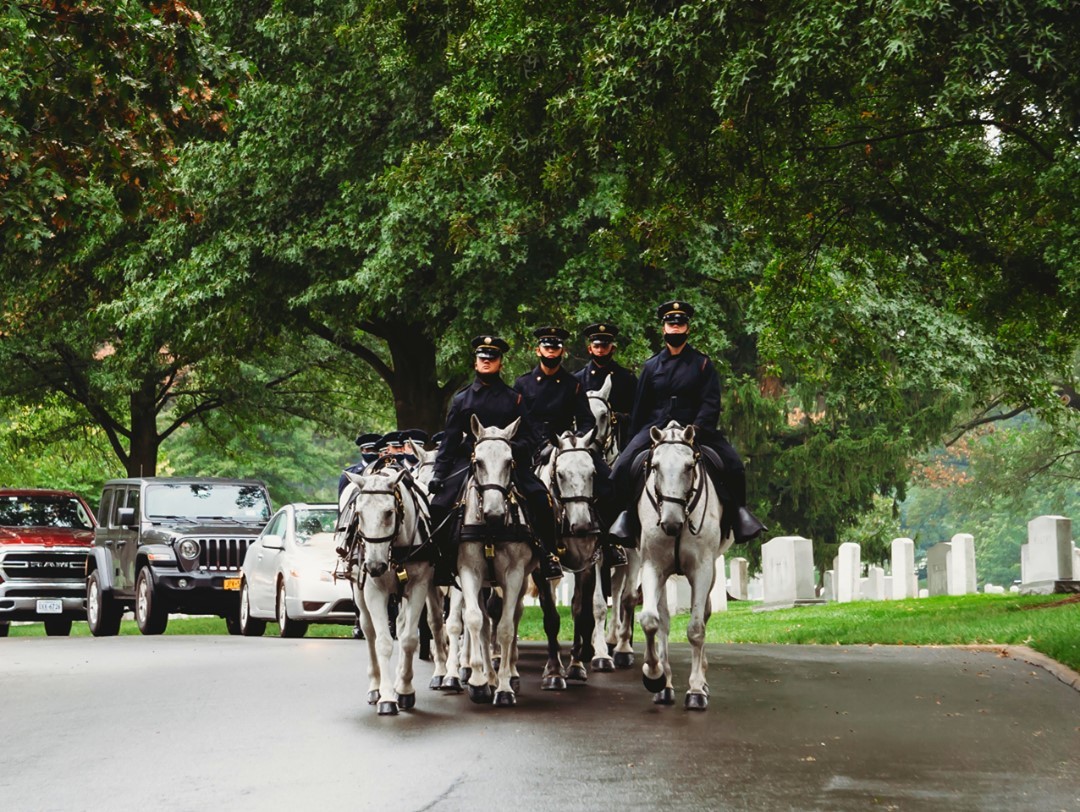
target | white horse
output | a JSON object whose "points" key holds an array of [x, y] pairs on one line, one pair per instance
{"points": [[388, 517], [569, 474], [680, 516], [492, 536]]}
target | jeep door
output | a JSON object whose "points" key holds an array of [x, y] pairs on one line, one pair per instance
{"points": [[126, 539], [262, 565]]}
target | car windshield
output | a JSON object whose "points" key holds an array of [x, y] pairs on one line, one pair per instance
{"points": [[43, 511], [310, 522], [202, 500]]}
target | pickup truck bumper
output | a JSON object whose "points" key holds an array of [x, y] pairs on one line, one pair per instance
{"points": [[14, 605]]}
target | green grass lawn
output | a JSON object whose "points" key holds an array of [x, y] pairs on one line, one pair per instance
{"points": [[1047, 623]]}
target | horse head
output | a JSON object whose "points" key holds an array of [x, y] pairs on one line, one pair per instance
{"points": [[673, 466], [380, 514], [492, 465], [425, 465], [573, 473], [605, 420]]}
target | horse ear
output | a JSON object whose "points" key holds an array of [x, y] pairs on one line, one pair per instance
{"points": [[688, 434], [477, 426], [356, 479], [565, 440], [605, 389], [511, 430], [656, 434], [589, 437]]}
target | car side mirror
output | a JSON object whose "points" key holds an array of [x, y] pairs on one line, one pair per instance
{"points": [[125, 517], [273, 542]]}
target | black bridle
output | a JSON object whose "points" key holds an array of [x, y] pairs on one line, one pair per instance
{"points": [[481, 487], [556, 491], [392, 489], [693, 494]]}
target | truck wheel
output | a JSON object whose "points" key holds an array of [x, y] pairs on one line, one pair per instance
{"points": [[289, 627], [57, 626], [102, 613], [4, 627], [249, 626], [149, 614]]}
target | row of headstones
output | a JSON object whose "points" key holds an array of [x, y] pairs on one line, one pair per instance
{"points": [[1049, 559]]}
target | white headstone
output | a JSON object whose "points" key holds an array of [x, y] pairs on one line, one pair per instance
{"points": [[961, 565], [1048, 555], [718, 596], [740, 569], [828, 592], [678, 594], [1014, 588], [848, 567], [991, 589], [924, 593], [755, 588], [905, 583], [888, 588], [937, 569], [787, 565], [873, 585]]}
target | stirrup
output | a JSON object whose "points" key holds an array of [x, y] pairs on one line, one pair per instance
{"points": [[550, 568]]}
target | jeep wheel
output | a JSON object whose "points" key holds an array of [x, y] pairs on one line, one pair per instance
{"points": [[289, 627], [249, 626], [102, 614], [149, 614], [57, 626], [4, 628]]}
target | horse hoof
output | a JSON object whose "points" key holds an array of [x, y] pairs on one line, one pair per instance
{"points": [[372, 697], [505, 699], [665, 696], [388, 709], [495, 663], [552, 684], [451, 684], [623, 659], [654, 684], [406, 701], [603, 665], [464, 673], [480, 694], [698, 702], [515, 684], [436, 684], [577, 673]]}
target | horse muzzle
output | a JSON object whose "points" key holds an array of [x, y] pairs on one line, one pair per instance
{"points": [[375, 568]]}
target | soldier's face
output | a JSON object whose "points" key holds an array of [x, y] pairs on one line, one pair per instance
{"points": [[601, 349], [672, 327], [544, 351], [486, 366]]}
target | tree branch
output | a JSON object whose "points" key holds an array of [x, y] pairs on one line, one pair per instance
{"points": [[352, 347], [994, 418]]}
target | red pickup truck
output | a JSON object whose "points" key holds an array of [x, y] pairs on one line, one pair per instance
{"points": [[45, 537]]}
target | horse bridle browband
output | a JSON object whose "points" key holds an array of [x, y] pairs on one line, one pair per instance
{"points": [[480, 487], [693, 494], [556, 491]]}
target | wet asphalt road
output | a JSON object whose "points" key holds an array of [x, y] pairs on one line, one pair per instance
{"points": [[186, 723]]}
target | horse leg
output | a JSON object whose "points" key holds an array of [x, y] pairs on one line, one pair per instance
{"points": [[512, 580], [375, 595], [666, 695], [582, 650], [701, 583], [455, 627], [409, 614], [652, 585], [624, 584], [434, 600], [601, 659], [470, 565], [552, 679], [367, 624]]}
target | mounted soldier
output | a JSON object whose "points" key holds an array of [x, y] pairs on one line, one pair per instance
{"points": [[368, 455], [493, 403], [601, 345], [680, 383], [556, 403]]}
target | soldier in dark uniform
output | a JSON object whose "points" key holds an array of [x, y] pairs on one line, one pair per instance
{"points": [[556, 402], [680, 383], [601, 338], [368, 455], [494, 404]]}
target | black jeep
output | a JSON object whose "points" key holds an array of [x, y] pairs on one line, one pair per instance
{"points": [[171, 544]]}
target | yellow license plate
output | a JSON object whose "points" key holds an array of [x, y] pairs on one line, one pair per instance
{"points": [[232, 584]]}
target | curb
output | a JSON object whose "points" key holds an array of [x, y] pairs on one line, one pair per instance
{"points": [[1032, 657]]}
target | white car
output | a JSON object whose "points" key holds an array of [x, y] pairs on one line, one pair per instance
{"points": [[288, 574]]}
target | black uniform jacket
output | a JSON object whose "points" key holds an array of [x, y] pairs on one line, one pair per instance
{"points": [[555, 403], [683, 387], [494, 404], [623, 383]]}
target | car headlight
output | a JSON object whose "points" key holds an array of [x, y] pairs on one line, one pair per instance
{"points": [[189, 549]]}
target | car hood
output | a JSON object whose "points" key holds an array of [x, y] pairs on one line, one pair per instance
{"points": [[203, 528], [47, 536]]}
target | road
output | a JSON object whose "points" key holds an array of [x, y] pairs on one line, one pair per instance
{"points": [[186, 723]]}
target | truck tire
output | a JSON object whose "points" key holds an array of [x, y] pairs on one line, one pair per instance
{"points": [[102, 613], [289, 627], [4, 628], [57, 626], [150, 615], [249, 626]]}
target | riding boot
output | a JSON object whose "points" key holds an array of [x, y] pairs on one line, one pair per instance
{"points": [[614, 553], [445, 558], [747, 526], [626, 528], [544, 526]]}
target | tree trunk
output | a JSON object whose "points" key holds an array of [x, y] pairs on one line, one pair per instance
{"points": [[419, 401], [142, 456]]}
